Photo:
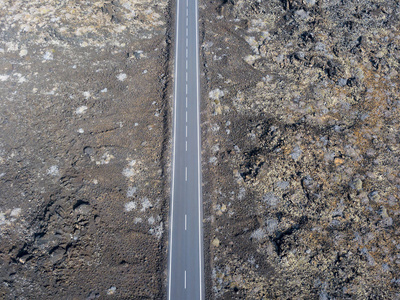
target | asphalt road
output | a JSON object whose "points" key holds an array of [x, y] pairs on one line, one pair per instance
{"points": [[186, 270]]}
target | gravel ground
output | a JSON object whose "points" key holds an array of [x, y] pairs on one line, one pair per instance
{"points": [[84, 149]]}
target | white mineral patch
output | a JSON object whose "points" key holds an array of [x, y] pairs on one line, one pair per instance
{"points": [[81, 110], [80, 130], [151, 220], [138, 220], [104, 90], [53, 171], [130, 206], [121, 77]]}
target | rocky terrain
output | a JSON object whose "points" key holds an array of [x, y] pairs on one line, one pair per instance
{"points": [[301, 149], [84, 148], [301, 140]]}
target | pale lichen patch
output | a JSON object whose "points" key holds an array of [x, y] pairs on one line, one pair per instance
{"points": [[53, 171], [130, 206], [23, 52], [4, 77], [48, 55], [111, 290], [15, 212], [121, 76], [146, 204], [131, 191], [158, 230], [86, 94], [81, 110], [105, 159]]}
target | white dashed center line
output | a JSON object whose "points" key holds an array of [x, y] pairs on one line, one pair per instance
{"points": [[185, 173], [185, 222], [185, 279]]}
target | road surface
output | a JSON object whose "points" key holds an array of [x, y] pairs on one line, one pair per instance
{"points": [[186, 270]]}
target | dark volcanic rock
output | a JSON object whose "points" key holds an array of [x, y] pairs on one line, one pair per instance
{"points": [[302, 110]]}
